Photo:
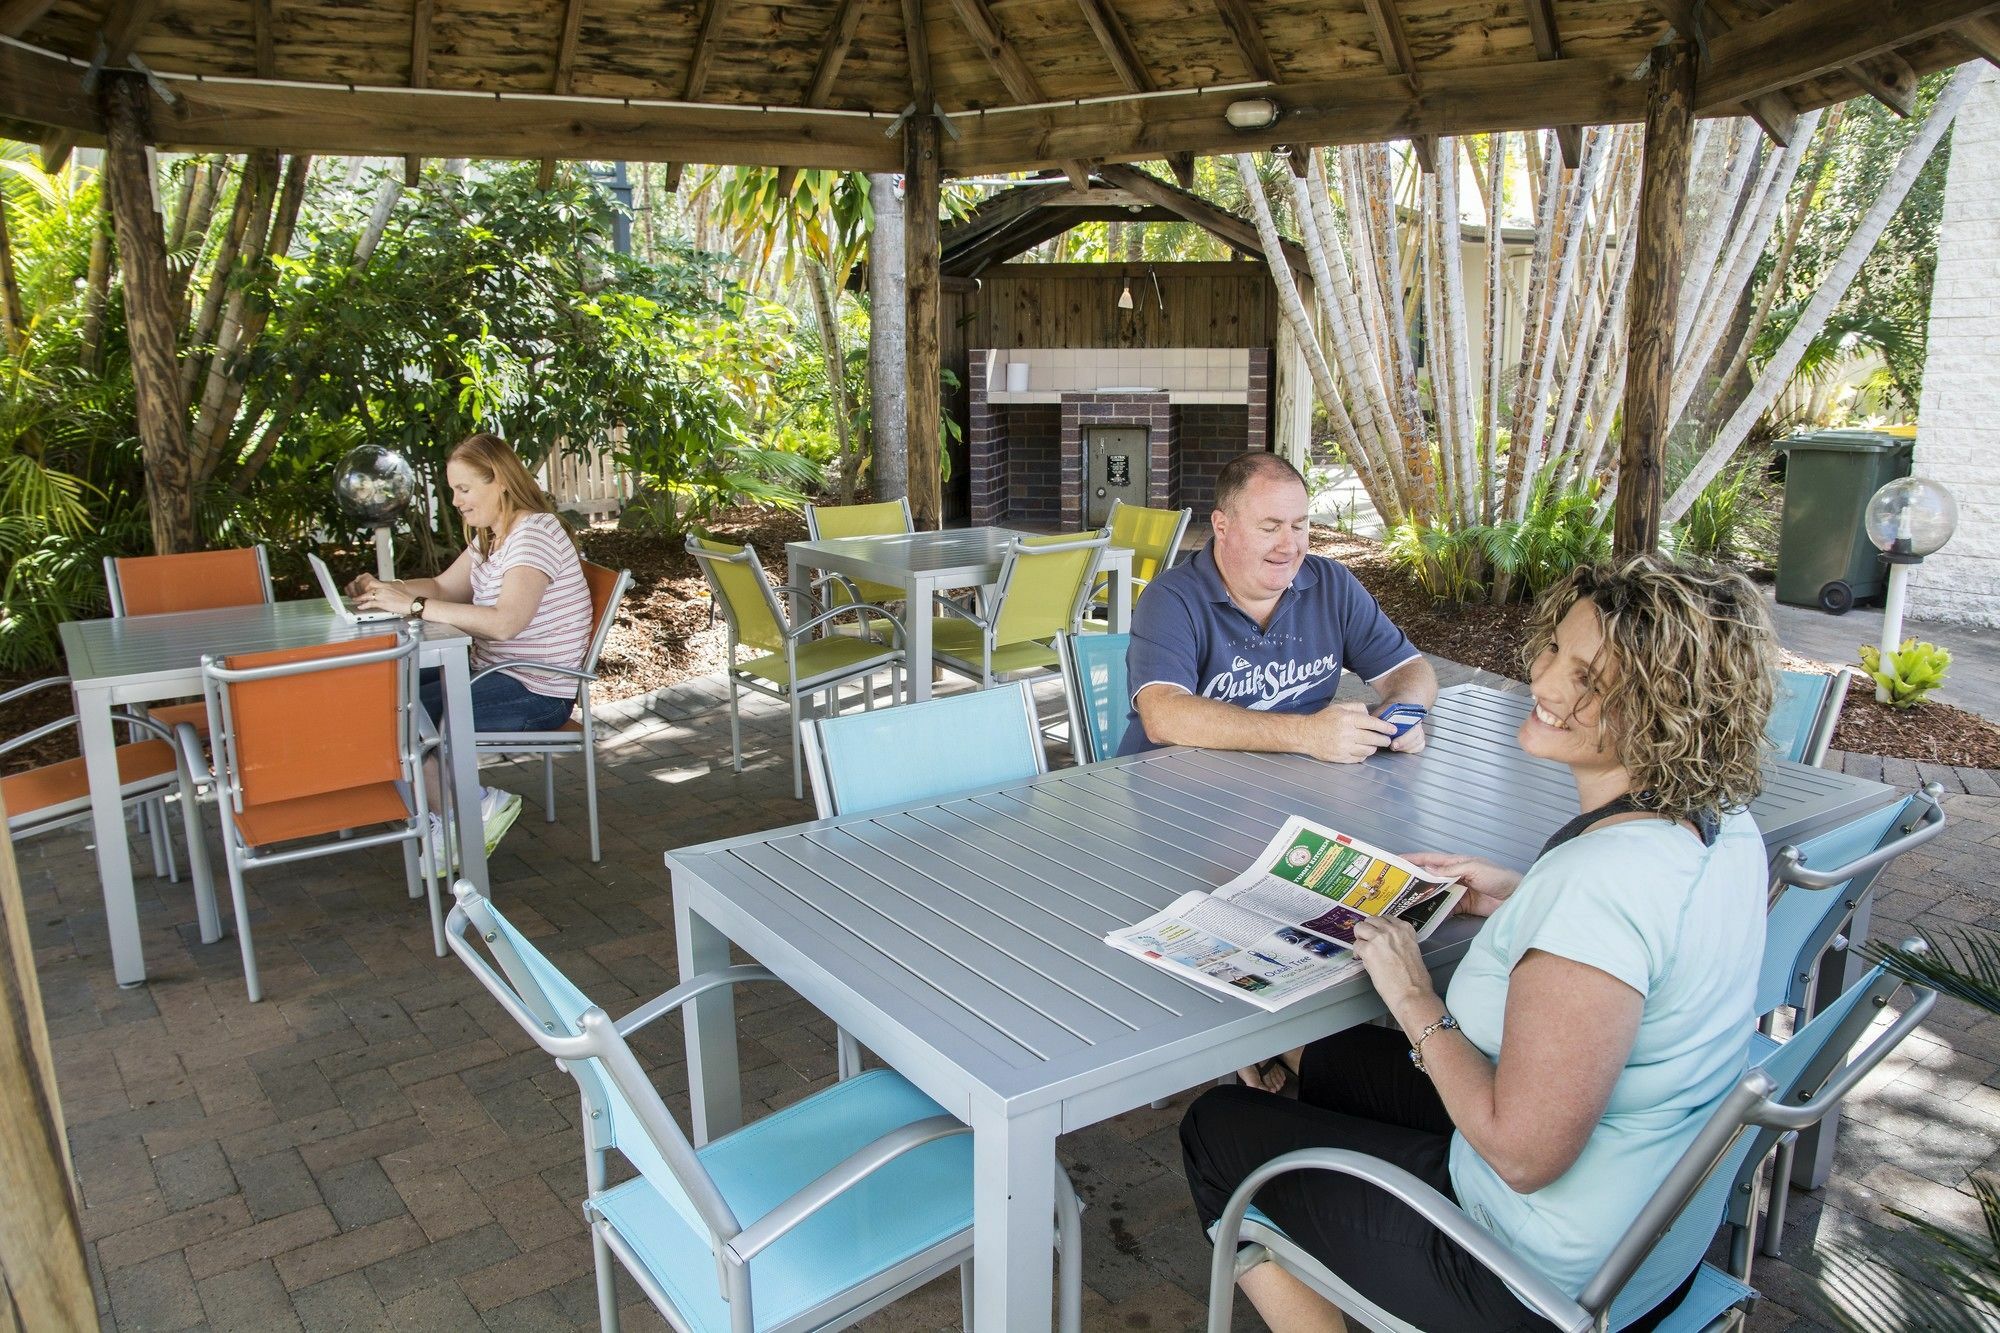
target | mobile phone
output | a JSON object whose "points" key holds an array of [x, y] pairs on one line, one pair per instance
{"points": [[1404, 716]]}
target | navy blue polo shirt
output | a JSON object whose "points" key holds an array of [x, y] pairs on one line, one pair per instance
{"points": [[1187, 633]]}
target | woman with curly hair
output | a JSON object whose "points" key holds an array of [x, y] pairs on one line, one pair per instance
{"points": [[1621, 967]]}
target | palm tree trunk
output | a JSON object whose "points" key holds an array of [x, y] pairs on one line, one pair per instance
{"points": [[1839, 276], [1722, 208], [1322, 250], [13, 320], [827, 316], [1454, 325], [1496, 320], [887, 346], [254, 193]]}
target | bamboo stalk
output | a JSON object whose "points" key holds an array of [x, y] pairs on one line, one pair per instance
{"points": [[1496, 321], [1722, 211], [253, 198], [1776, 373], [1456, 324]]}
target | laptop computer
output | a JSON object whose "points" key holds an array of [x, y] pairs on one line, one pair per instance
{"points": [[340, 605]]}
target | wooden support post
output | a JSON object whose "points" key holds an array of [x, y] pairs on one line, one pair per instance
{"points": [[922, 182], [1654, 301], [42, 1277], [149, 318]]}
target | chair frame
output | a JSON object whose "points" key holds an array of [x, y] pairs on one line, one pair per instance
{"points": [[1826, 719], [549, 744], [1083, 736], [116, 589], [893, 658], [1100, 585], [733, 1244], [1751, 1103], [982, 671], [812, 518], [147, 794], [224, 776], [826, 803]]}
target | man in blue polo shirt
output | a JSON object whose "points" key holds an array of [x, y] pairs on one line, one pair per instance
{"points": [[1241, 647]]}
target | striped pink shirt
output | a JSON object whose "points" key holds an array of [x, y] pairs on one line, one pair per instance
{"points": [[559, 631]]}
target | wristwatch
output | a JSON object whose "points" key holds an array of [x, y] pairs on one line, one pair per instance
{"points": [[416, 611]]}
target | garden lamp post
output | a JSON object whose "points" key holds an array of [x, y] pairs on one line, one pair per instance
{"points": [[1907, 520], [375, 485]]}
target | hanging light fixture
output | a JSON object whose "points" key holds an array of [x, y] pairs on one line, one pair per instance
{"points": [[1125, 297]]}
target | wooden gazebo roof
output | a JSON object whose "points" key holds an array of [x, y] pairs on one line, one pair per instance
{"points": [[1023, 82]]}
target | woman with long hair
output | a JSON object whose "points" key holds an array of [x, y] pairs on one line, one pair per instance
{"points": [[518, 589], [1621, 967]]}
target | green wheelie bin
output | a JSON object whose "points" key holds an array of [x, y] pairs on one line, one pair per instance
{"points": [[1824, 556]]}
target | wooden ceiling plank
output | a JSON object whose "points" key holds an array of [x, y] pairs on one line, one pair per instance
{"points": [[1979, 36], [702, 60], [267, 42], [1125, 60], [421, 14], [1249, 38], [1888, 79], [17, 16], [572, 29], [1805, 41], [999, 52]]}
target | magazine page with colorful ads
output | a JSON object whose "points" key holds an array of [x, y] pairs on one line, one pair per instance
{"points": [[1284, 928]]}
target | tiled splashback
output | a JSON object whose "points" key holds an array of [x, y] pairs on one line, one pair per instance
{"points": [[1081, 370]]}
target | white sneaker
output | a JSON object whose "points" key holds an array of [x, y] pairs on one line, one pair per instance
{"points": [[497, 812], [434, 846]]}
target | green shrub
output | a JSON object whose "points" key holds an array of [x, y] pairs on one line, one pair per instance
{"points": [[1910, 673], [1728, 519]]}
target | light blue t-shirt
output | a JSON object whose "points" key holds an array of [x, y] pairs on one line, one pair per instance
{"points": [[1683, 925]]}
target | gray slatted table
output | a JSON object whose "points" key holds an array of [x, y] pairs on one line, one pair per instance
{"points": [[150, 659], [924, 563], [960, 940]]}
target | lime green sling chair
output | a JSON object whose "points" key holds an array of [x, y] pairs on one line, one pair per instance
{"points": [[1154, 538], [792, 664], [1044, 582], [886, 519]]}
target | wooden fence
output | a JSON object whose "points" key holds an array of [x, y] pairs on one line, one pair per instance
{"points": [[586, 483]]}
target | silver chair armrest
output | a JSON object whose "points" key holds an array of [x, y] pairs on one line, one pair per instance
{"points": [[842, 1176], [669, 1001], [866, 610], [30, 737], [31, 687], [1533, 1288], [125, 717], [1789, 867], [574, 673], [1776, 1115], [199, 772], [944, 603]]}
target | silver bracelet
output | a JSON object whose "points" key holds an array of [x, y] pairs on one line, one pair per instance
{"points": [[1444, 1024]]}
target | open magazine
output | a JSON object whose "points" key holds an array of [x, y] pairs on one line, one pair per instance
{"points": [[1284, 928]]}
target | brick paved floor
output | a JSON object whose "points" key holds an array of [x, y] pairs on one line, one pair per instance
{"points": [[376, 1146]]}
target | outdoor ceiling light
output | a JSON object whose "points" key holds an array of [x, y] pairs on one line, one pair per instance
{"points": [[1252, 113], [1125, 297]]}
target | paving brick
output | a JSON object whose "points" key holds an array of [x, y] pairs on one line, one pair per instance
{"points": [[532, 1213], [441, 1261], [204, 1222], [526, 1274], [250, 1299], [154, 1297], [264, 1240], [194, 1175], [358, 1194], [348, 1252], [344, 1304], [276, 1185], [374, 1141]]}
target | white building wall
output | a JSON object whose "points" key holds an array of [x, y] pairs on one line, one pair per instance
{"points": [[1958, 423]]}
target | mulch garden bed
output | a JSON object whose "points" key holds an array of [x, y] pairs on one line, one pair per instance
{"points": [[666, 633]]}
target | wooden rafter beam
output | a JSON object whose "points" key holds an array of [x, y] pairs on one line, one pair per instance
{"points": [[1117, 43], [1238, 232], [1981, 37], [1001, 210], [572, 29], [1025, 233], [243, 116], [124, 24], [17, 16], [38, 89], [420, 74], [700, 60], [1548, 46], [1801, 42], [267, 42], [1249, 38], [1393, 40], [1020, 81], [1775, 115], [917, 49], [1353, 109], [1888, 79], [832, 55]]}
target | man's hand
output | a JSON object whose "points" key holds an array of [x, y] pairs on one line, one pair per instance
{"points": [[1410, 742], [1343, 733]]}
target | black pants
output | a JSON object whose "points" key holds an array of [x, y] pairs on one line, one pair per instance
{"points": [[1357, 1090]]}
